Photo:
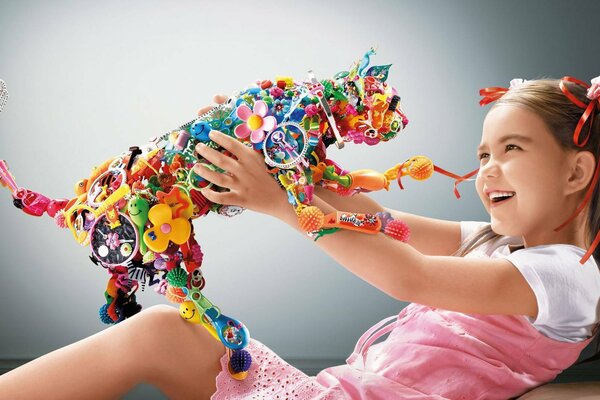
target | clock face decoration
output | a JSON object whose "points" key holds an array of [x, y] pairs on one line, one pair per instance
{"points": [[114, 245], [286, 145]]}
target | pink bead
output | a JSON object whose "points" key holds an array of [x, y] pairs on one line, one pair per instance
{"points": [[165, 228], [398, 230]]}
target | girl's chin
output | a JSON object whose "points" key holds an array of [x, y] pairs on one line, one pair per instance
{"points": [[503, 229]]}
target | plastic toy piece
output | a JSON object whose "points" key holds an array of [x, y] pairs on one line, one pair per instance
{"points": [[365, 223], [165, 229]]}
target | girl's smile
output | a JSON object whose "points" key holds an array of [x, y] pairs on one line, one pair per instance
{"points": [[521, 175]]}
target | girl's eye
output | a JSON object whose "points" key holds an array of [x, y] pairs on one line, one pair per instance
{"points": [[481, 156]]}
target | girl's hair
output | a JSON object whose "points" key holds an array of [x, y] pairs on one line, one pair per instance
{"points": [[545, 98]]}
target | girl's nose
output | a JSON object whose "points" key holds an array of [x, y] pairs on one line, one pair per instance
{"points": [[489, 169]]}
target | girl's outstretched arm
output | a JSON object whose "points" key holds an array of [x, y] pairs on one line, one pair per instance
{"points": [[484, 286], [434, 237], [479, 286]]}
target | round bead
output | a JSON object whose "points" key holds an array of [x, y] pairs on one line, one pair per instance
{"points": [[165, 228], [398, 230], [311, 219], [240, 361], [177, 277]]}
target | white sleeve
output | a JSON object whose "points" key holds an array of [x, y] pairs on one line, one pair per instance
{"points": [[567, 292], [469, 227]]}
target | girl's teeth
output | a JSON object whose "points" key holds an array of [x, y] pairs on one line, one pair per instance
{"points": [[500, 196]]}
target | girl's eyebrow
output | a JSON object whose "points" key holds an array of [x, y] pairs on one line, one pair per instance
{"points": [[512, 136]]}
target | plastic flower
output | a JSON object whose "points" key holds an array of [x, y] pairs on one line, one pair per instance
{"points": [[255, 122], [593, 92], [281, 107], [112, 240], [165, 229]]}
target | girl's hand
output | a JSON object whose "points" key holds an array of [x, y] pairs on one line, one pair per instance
{"points": [[246, 177]]}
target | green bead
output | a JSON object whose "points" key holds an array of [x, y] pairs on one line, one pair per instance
{"points": [[177, 277]]}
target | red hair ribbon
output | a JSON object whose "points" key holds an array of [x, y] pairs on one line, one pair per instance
{"points": [[590, 109], [458, 178], [491, 94]]}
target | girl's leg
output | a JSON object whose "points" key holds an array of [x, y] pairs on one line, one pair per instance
{"points": [[156, 346], [186, 358]]}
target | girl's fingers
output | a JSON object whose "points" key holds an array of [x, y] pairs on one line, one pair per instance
{"points": [[214, 177], [220, 98], [216, 157], [228, 198], [230, 144], [204, 110]]}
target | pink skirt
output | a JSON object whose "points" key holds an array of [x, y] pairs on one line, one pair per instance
{"points": [[270, 377]]}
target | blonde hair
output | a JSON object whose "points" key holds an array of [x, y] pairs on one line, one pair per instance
{"points": [[545, 98]]}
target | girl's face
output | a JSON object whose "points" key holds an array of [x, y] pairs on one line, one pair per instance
{"points": [[520, 158]]}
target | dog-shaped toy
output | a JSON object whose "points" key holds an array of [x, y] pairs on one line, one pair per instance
{"points": [[134, 211]]}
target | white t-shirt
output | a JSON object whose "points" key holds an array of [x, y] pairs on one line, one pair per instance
{"points": [[567, 293]]}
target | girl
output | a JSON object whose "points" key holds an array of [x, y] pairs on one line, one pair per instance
{"points": [[497, 308]]}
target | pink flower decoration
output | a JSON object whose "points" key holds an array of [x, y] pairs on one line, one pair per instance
{"points": [[311, 110], [593, 92], [112, 240], [256, 122]]}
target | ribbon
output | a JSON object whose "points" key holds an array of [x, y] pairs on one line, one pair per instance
{"points": [[590, 109], [491, 94]]}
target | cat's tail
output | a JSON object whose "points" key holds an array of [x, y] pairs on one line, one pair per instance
{"points": [[30, 202]]}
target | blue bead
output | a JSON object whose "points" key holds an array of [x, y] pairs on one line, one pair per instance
{"points": [[240, 361], [104, 317]]}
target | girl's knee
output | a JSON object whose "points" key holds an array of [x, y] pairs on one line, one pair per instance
{"points": [[154, 322]]}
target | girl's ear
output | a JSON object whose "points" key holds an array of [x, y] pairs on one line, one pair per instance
{"points": [[582, 168]]}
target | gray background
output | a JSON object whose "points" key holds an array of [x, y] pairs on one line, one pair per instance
{"points": [[89, 79]]}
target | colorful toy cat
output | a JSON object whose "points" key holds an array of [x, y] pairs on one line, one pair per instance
{"points": [[135, 210]]}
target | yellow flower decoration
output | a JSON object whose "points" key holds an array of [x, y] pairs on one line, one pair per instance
{"points": [[165, 229]]}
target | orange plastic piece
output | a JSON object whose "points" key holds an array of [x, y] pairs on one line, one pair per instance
{"points": [[368, 179], [365, 223]]}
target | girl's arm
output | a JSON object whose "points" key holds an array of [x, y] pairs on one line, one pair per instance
{"points": [[469, 285], [476, 286], [429, 236]]}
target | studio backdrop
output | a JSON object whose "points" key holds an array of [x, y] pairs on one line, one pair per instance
{"points": [[88, 79]]}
